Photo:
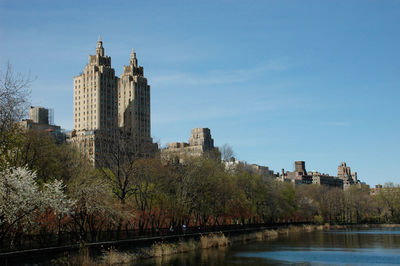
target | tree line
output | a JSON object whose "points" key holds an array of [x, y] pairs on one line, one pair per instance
{"points": [[48, 191]]}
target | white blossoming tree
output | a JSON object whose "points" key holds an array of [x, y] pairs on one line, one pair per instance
{"points": [[21, 199]]}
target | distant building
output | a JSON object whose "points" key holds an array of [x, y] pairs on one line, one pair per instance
{"points": [[300, 176], [39, 115], [200, 143], [326, 180], [261, 170], [232, 165], [346, 175], [374, 191], [39, 120]]}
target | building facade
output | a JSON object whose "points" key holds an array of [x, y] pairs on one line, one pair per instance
{"points": [[39, 115], [134, 107], [39, 119], [95, 94], [200, 143], [349, 178], [301, 176], [109, 110]]}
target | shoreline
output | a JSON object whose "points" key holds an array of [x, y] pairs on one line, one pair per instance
{"points": [[214, 240], [158, 247]]}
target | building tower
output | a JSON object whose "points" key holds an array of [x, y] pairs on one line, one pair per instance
{"points": [[95, 103], [95, 90], [343, 171], [134, 107], [39, 115], [300, 167], [346, 175], [201, 137], [200, 144]]}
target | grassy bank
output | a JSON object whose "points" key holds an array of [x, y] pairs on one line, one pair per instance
{"points": [[162, 249]]}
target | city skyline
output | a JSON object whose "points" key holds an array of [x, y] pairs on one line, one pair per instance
{"points": [[286, 82]]}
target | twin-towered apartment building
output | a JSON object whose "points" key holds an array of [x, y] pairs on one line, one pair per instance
{"points": [[108, 108], [111, 111]]}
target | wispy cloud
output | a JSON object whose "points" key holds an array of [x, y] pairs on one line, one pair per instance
{"points": [[336, 123], [217, 76], [243, 108]]}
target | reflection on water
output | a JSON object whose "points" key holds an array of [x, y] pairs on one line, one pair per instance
{"points": [[329, 256], [381, 231], [203, 257], [336, 247]]}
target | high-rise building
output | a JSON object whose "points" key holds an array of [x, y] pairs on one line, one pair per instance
{"points": [[39, 115], [134, 106], [108, 110], [95, 90]]}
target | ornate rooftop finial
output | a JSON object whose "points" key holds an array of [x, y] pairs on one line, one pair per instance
{"points": [[99, 48], [133, 60]]}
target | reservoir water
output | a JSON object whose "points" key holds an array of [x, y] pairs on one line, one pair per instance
{"points": [[373, 246]]}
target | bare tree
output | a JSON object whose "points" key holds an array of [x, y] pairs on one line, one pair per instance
{"points": [[14, 93], [116, 161], [227, 152], [116, 164]]}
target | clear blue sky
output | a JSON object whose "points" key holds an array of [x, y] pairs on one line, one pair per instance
{"points": [[277, 80]]}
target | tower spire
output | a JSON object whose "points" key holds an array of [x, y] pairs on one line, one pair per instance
{"points": [[133, 54], [133, 60], [99, 48]]}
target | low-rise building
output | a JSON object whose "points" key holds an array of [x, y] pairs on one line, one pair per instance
{"points": [[349, 178], [233, 165], [344, 179], [325, 179], [375, 190], [39, 119], [200, 143]]}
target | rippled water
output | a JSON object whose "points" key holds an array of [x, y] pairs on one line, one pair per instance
{"points": [[335, 247]]}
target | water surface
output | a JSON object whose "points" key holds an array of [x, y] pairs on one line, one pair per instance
{"points": [[377, 246]]}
